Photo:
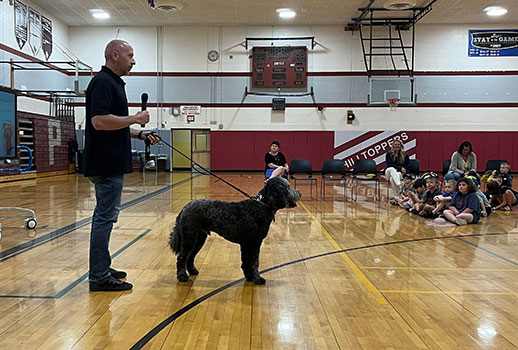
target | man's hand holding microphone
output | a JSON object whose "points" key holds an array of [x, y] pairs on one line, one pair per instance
{"points": [[142, 118]]}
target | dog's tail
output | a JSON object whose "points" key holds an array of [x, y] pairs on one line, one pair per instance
{"points": [[175, 239]]}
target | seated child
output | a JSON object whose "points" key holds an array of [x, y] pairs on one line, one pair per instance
{"points": [[403, 195], [464, 206], [507, 178], [443, 200], [416, 197], [425, 209], [502, 197], [485, 206]]}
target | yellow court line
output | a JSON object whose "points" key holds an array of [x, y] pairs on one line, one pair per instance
{"points": [[435, 269], [368, 284], [446, 292]]}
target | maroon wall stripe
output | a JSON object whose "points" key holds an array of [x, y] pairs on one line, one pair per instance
{"points": [[244, 150], [320, 74], [248, 74], [327, 105]]}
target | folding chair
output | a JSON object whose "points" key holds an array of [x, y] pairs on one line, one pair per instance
{"points": [[303, 167], [365, 170], [445, 167], [413, 167], [332, 167]]}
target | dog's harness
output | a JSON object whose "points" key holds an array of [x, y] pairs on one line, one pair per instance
{"points": [[259, 198]]}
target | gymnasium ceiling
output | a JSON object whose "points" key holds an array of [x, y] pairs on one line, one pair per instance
{"points": [[261, 12]]}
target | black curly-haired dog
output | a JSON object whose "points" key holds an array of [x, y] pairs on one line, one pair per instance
{"points": [[245, 223]]}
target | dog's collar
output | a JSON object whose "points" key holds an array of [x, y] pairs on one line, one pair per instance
{"points": [[259, 199]]}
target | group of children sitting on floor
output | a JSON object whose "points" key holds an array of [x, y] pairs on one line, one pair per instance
{"points": [[462, 201]]}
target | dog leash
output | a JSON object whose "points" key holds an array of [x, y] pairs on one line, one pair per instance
{"points": [[207, 170]]}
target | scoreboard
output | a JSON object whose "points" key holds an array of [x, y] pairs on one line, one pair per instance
{"points": [[279, 66]]}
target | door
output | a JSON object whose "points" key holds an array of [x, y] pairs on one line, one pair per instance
{"points": [[200, 147], [181, 140]]}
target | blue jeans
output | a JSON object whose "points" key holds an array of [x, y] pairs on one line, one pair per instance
{"points": [[452, 176], [108, 191]]}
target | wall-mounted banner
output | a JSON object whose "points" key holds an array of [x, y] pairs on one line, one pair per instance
{"points": [[353, 145], [493, 43], [20, 23], [46, 36], [34, 31]]}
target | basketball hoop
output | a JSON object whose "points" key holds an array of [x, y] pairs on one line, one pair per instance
{"points": [[393, 102]]}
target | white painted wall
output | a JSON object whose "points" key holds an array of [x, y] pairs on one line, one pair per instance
{"points": [[184, 49], [89, 43], [380, 118], [438, 47], [445, 47]]}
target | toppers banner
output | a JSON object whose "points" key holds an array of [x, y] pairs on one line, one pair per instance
{"points": [[493, 43], [353, 145]]}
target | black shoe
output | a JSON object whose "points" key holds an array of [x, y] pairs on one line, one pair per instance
{"points": [[118, 274], [110, 284]]}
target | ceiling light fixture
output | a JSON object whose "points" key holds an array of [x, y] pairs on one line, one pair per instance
{"points": [[100, 14], [495, 11], [165, 5], [286, 13], [399, 5]]}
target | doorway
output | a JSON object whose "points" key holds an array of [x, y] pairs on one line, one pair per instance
{"points": [[194, 143]]}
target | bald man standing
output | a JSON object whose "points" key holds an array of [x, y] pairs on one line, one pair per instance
{"points": [[108, 157]]}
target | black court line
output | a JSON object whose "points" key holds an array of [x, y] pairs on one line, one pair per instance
{"points": [[144, 340], [19, 249], [459, 238]]}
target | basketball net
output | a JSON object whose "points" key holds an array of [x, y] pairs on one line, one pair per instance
{"points": [[393, 102]]}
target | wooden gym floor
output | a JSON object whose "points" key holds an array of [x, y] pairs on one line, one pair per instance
{"points": [[340, 275]]}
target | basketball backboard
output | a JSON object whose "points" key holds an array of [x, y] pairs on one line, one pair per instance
{"points": [[381, 89]]}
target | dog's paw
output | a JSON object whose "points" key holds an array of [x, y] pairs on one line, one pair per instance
{"points": [[259, 280], [182, 277], [192, 271]]}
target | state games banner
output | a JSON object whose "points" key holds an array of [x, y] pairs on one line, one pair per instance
{"points": [[493, 43]]}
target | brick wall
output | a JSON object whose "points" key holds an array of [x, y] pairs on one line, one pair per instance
{"points": [[51, 138]]}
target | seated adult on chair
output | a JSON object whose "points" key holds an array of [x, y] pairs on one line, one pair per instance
{"points": [[396, 162], [462, 161], [276, 164]]}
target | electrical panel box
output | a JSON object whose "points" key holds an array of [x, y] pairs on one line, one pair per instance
{"points": [[278, 104], [279, 66]]}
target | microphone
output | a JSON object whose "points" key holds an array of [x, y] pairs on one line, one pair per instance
{"points": [[143, 99]]}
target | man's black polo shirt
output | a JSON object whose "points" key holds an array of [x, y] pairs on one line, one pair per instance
{"points": [[107, 152]]}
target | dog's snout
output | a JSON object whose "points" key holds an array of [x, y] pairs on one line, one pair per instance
{"points": [[295, 195]]}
